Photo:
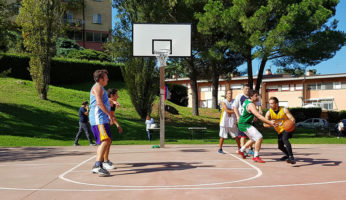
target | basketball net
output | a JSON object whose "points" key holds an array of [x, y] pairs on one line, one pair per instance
{"points": [[162, 56]]}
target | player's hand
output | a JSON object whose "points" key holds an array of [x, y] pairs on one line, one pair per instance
{"points": [[120, 129], [266, 125]]}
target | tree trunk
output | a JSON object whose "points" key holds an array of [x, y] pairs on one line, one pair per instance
{"points": [[194, 88], [215, 84], [260, 73]]}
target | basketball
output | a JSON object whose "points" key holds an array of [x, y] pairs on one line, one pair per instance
{"points": [[289, 125]]}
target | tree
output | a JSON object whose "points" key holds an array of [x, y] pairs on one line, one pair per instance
{"points": [[269, 29], [141, 80], [7, 29], [41, 22]]}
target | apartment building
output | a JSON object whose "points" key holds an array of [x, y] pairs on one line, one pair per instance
{"points": [[90, 22], [326, 91]]}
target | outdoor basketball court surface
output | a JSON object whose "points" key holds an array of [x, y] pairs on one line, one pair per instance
{"points": [[175, 172]]}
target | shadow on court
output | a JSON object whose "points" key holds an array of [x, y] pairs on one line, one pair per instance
{"points": [[302, 162], [34, 153], [138, 168]]}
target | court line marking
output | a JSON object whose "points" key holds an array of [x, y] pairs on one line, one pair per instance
{"points": [[186, 188], [62, 176]]}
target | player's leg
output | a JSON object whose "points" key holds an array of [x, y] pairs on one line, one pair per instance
{"points": [[102, 136], [281, 146], [85, 127], [256, 136], [285, 137], [80, 130], [223, 135]]}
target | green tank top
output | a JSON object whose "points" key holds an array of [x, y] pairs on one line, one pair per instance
{"points": [[246, 117]]}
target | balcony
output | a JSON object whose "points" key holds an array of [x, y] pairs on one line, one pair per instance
{"points": [[74, 22]]}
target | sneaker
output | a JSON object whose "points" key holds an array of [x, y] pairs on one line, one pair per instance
{"points": [[250, 152], [258, 159], [220, 151], [108, 165], [100, 171], [76, 144], [283, 158], [291, 160], [246, 154], [93, 144], [242, 154]]}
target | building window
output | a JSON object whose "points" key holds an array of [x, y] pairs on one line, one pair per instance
{"points": [[205, 103], [314, 86], [326, 104], [205, 88], [283, 104], [299, 86], [89, 36], [272, 88], [292, 87], [337, 85], [236, 86], [327, 86], [285, 87], [104, 37], [97, 19], [343, 85], [222, 87]]}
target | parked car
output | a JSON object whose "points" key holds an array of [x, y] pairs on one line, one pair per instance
{"points": [[313, 123]]}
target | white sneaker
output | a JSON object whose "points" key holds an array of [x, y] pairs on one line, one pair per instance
{"points": [[100, 171], [108, 165]]}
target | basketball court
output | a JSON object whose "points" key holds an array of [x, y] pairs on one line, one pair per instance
{"points": [[174, 172]]}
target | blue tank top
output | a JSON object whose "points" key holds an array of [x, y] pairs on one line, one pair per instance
{"points": [[96, 115]]}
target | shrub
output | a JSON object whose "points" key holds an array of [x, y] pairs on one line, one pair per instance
{"points": [[88, 54], [63, 70], [333, 117], [178, 94], [301, 114]]}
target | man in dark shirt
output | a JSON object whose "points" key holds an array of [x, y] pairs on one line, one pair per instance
{"points": [[83, 124]]}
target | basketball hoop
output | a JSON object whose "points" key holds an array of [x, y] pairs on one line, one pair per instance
{"points": [[162, 56]]}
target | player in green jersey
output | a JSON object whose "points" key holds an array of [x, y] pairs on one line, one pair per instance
{"points": [[247, 115]]}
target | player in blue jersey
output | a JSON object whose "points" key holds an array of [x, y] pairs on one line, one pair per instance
{"points": [[100, 118]]}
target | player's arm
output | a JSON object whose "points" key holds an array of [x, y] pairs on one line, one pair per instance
{"points": [[252, 108], [236, 106], [224, 107], [289, 115], [267, 116]]}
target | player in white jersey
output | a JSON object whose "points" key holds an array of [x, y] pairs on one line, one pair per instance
{"points": [[228, 121]]}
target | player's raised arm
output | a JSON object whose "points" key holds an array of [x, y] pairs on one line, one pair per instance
{"points": [[267, 116]]}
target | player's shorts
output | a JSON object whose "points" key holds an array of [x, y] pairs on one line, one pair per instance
{"points": [[253, 133], [224, 131], [101, 132], [241, 134]]}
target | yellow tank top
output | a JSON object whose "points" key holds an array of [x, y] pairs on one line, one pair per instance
{"points": [[279, 118]]}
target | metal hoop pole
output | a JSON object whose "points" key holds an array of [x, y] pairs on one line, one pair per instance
{"points": [[162, 58]]}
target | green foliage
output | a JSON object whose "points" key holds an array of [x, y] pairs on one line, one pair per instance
{"points": [[333, 116], [41, 22], [301, 114], [89, 54], [142, 81], [63, 70], [6, 27], [64, 46], [179, 94]]}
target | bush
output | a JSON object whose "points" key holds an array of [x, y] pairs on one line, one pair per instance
{"points": [[301, 114], [333, 117], [63, 70], [89, 54], [178, 94]]}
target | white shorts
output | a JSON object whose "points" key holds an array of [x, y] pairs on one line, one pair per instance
{"points": [[253, 133], [224, 131]]}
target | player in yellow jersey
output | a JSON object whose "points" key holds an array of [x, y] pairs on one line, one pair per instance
{"points": [[280, 115]]}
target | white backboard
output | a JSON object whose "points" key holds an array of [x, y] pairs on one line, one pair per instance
{"points": [[148, 38]]}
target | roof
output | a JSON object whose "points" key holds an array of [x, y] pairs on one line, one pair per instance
{"points": [[270, 78]]}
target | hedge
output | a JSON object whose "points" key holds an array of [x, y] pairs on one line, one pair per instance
{"points": [[63, 70], [301, 114], [335, 117]]}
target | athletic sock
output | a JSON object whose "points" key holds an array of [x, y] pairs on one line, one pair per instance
{"points": [[98, 163], [242, 149], [255, 154]]}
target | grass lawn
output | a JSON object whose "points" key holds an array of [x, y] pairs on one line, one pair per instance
{"points": [[26, 120]]}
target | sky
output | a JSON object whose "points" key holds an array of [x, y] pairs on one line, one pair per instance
{"points": [[337, 64]]}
